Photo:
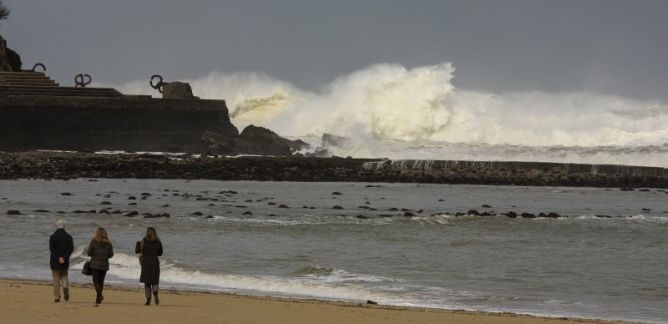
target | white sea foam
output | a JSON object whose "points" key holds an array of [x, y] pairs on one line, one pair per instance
{"points": [[338, 285], [392, 111]]}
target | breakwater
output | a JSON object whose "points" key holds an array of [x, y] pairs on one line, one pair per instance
{"points": [[47, 165], [110, 123], [436, 166]]}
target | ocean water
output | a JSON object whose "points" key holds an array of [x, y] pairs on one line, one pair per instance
{"points": [[355, 242]]}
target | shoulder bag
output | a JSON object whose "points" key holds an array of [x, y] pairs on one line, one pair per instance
{"points": [[85, 270]]}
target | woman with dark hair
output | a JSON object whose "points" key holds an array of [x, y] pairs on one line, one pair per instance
{"points": [[150, 248], [100, 251]]}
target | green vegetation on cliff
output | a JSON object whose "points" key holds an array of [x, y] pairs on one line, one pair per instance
{"points": [[4, 11]]}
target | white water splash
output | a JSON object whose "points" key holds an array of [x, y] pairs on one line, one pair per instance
{"points": [[392, 111]]}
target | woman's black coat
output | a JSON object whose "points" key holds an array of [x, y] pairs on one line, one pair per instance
{"points": [[150, 267], [99, 253]]}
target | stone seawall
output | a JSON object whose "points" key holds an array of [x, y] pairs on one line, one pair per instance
{"points": [[440, 166], [48, 165], [130, 123]]}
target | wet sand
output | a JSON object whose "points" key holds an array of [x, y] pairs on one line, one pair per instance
{"points": [[32, 302]]}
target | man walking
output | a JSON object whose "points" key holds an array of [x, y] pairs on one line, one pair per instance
{"points": [[61, 246]]}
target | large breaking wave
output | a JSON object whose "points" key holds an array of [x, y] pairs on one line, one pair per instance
{"points": [[388, 110]]}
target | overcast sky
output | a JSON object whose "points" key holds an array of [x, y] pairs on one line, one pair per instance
{"points": [[609, 47]]}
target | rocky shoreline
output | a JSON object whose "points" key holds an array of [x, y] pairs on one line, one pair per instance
{"points": [[67, 165]]}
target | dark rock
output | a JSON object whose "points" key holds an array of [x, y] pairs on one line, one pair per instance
{"points": [[208, 216], [271, 203], [247, 213], [13, 212], [486, 206], [197, 213], [420, 211], [473, 212], [553, 215], [42, 211], [66, 194], [337, 207], [528, 215], [603, 216], [371, 302], [408, 214], [283, 206], [165, 205], [131, 214], [336, 193], [644, 189], [132, 198], [148, 215], [393, 209], [92, 211], [132, 204], [262, 141], [362, 217], [105, 203]]}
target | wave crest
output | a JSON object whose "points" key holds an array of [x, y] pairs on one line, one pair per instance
{"points": [[386, 104]]}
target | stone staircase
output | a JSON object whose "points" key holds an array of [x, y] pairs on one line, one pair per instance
{"points": [[29, 83]]}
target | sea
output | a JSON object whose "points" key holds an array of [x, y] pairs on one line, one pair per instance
{"points": [[417, 245]]}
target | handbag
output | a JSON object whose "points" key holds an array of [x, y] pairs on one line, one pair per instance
{"points": [[85, 270]]}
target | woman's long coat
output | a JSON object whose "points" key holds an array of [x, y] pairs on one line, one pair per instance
{"points": [[150, 265]]}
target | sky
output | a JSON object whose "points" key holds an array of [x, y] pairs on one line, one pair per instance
{"points": [[607, 47]]}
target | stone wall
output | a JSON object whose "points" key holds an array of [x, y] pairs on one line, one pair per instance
{"points": [[117, 123]]}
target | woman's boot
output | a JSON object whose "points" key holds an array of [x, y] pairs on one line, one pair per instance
{"points": [[98, 292], [157, 301], [147, 290]]}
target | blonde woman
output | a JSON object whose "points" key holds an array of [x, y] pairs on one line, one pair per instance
{"points": [[100, 251], [150, 248]]}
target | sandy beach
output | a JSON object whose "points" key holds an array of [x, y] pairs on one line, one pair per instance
{"points": [[30, 302]]}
